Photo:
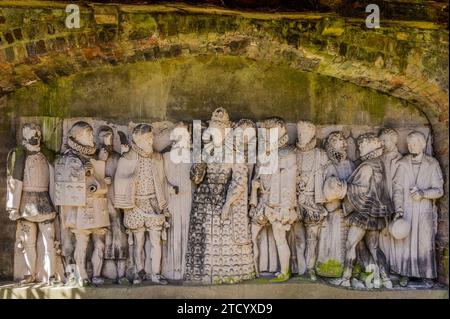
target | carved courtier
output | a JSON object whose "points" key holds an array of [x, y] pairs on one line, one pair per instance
{"points": [[418, 183], [219, 243], [116, 239], [311, 165], [177, 166], [273, 195], [139, 187], [28, 200], [331, 254], [368, 204], [390, 158], [81, 190]]}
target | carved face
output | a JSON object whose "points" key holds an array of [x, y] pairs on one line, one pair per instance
{"points": [[32, 135], [107, 138], [416, 144], [214, 135], [144, 141], [339, 144], [306, 131], [85, 137], [389, 141], [368, 146]]}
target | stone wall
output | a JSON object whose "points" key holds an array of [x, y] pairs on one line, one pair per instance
{"points": [[160, 62]]}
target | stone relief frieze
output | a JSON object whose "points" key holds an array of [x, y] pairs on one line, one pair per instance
{"points": [[115, 203]]}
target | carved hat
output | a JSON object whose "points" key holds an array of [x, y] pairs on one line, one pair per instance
{"points": [[373, 143], [220, 117]]}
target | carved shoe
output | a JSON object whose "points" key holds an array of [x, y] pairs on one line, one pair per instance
{"points": [[281, 277], [387, 283], [28, 279], [84, 282], [158, 279], [98, 280], [403, 281], [123, 281], [54, 281], [139, 278], [344, 282], [311, 275]]}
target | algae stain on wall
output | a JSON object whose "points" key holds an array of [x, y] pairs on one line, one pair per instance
{"points": [[191, 87]]}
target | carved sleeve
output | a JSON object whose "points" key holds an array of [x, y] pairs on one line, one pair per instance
{"points": [[198, 172], [437, 182], [238, 183], [398, 188]]}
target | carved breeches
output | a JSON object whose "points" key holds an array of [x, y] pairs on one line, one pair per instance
{"points": [[144, 216]]}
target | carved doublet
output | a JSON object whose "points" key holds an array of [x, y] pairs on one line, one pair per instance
{"points": [[36, 173], [144, 178]]}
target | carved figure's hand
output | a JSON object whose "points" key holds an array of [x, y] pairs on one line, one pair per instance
{"points": [[124, 148], [89, 168], [103, 155], [417, 195], [166, 213], [14, 214], [108, 180], [398, 215], [225, 212]]}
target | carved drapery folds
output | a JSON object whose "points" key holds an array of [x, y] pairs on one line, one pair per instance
{"points": [[339, 203]]}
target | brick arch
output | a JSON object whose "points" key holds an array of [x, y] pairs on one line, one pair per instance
{"points": [[404, 59]]}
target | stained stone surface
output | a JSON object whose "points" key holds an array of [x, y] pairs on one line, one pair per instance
{"points": [[157, 63], [295, 288]]}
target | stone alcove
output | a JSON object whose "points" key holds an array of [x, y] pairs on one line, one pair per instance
{"points": [[152, 63]]}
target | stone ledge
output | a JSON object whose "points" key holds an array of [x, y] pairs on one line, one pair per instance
{"points": [[295, 288]]}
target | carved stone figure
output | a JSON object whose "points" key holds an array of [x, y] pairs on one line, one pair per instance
{"points": [[311, 165], [140, 189], [116, 239], [219, 244], [28, 200], [417, 184], [273, 196], [368, 205], [331, 251], [81, 189], [177, 170], [390, 158]]}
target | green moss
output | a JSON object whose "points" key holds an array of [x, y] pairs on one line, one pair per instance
{"points": [[331, 268], [446, 260]]}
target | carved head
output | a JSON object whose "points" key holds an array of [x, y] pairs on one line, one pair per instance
{"points": [[82, 133], [416, 142], [245, 129], [143, 137], [389, 139], [306, 133], [106, 135], [336, 146], [181, 134], [217, 129], [31, 134], [278, 125], [368, 143]]}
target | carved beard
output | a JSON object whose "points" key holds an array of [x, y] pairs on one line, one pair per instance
{"points": [[108, 148], [334, 155]]}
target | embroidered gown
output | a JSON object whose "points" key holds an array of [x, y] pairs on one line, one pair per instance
{"points": [[219, 250]]}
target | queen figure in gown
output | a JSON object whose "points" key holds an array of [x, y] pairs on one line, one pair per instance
{"points": [[219, 242]]}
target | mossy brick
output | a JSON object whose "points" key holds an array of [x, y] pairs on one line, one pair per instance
{"points": [[8, 37]]}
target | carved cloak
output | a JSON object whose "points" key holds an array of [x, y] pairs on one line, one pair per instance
{"points": [[414, 256]]}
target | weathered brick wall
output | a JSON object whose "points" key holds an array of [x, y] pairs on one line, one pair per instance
{"points": [[404, 59]]}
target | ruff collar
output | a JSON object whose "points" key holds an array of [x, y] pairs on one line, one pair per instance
{"points": [[371, 155], [311, 145], [335, 156], [140, 151], [83, 149]]}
